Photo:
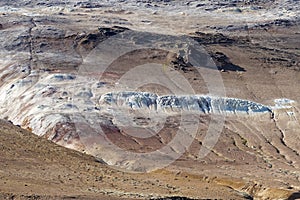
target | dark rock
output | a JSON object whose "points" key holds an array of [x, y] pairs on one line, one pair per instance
{"points": [[90, 5], [180, 64], [91, 40], [200, 5], [283, 22], [223, 62], [208, 39]]}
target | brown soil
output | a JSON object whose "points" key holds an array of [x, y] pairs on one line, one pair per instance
{"points": [[34, 168]]}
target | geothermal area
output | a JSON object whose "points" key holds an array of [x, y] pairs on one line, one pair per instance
{"points": [[150, 99]]}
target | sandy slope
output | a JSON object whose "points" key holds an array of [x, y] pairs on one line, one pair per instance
{"points": [[33, 167]]}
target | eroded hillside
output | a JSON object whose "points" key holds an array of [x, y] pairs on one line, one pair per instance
{"points": [[208, 91]]}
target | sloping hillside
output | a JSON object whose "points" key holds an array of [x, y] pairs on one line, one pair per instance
{"points": [[34, 168]]}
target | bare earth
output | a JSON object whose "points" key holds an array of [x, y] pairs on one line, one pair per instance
{"points": [[45, 88], [34, 168]]}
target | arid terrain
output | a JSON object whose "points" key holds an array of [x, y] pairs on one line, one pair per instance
{"points": [[34, 168], [150, 99]]}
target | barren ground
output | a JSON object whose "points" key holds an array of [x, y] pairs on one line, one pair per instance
{"points": [[255, 47]]}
